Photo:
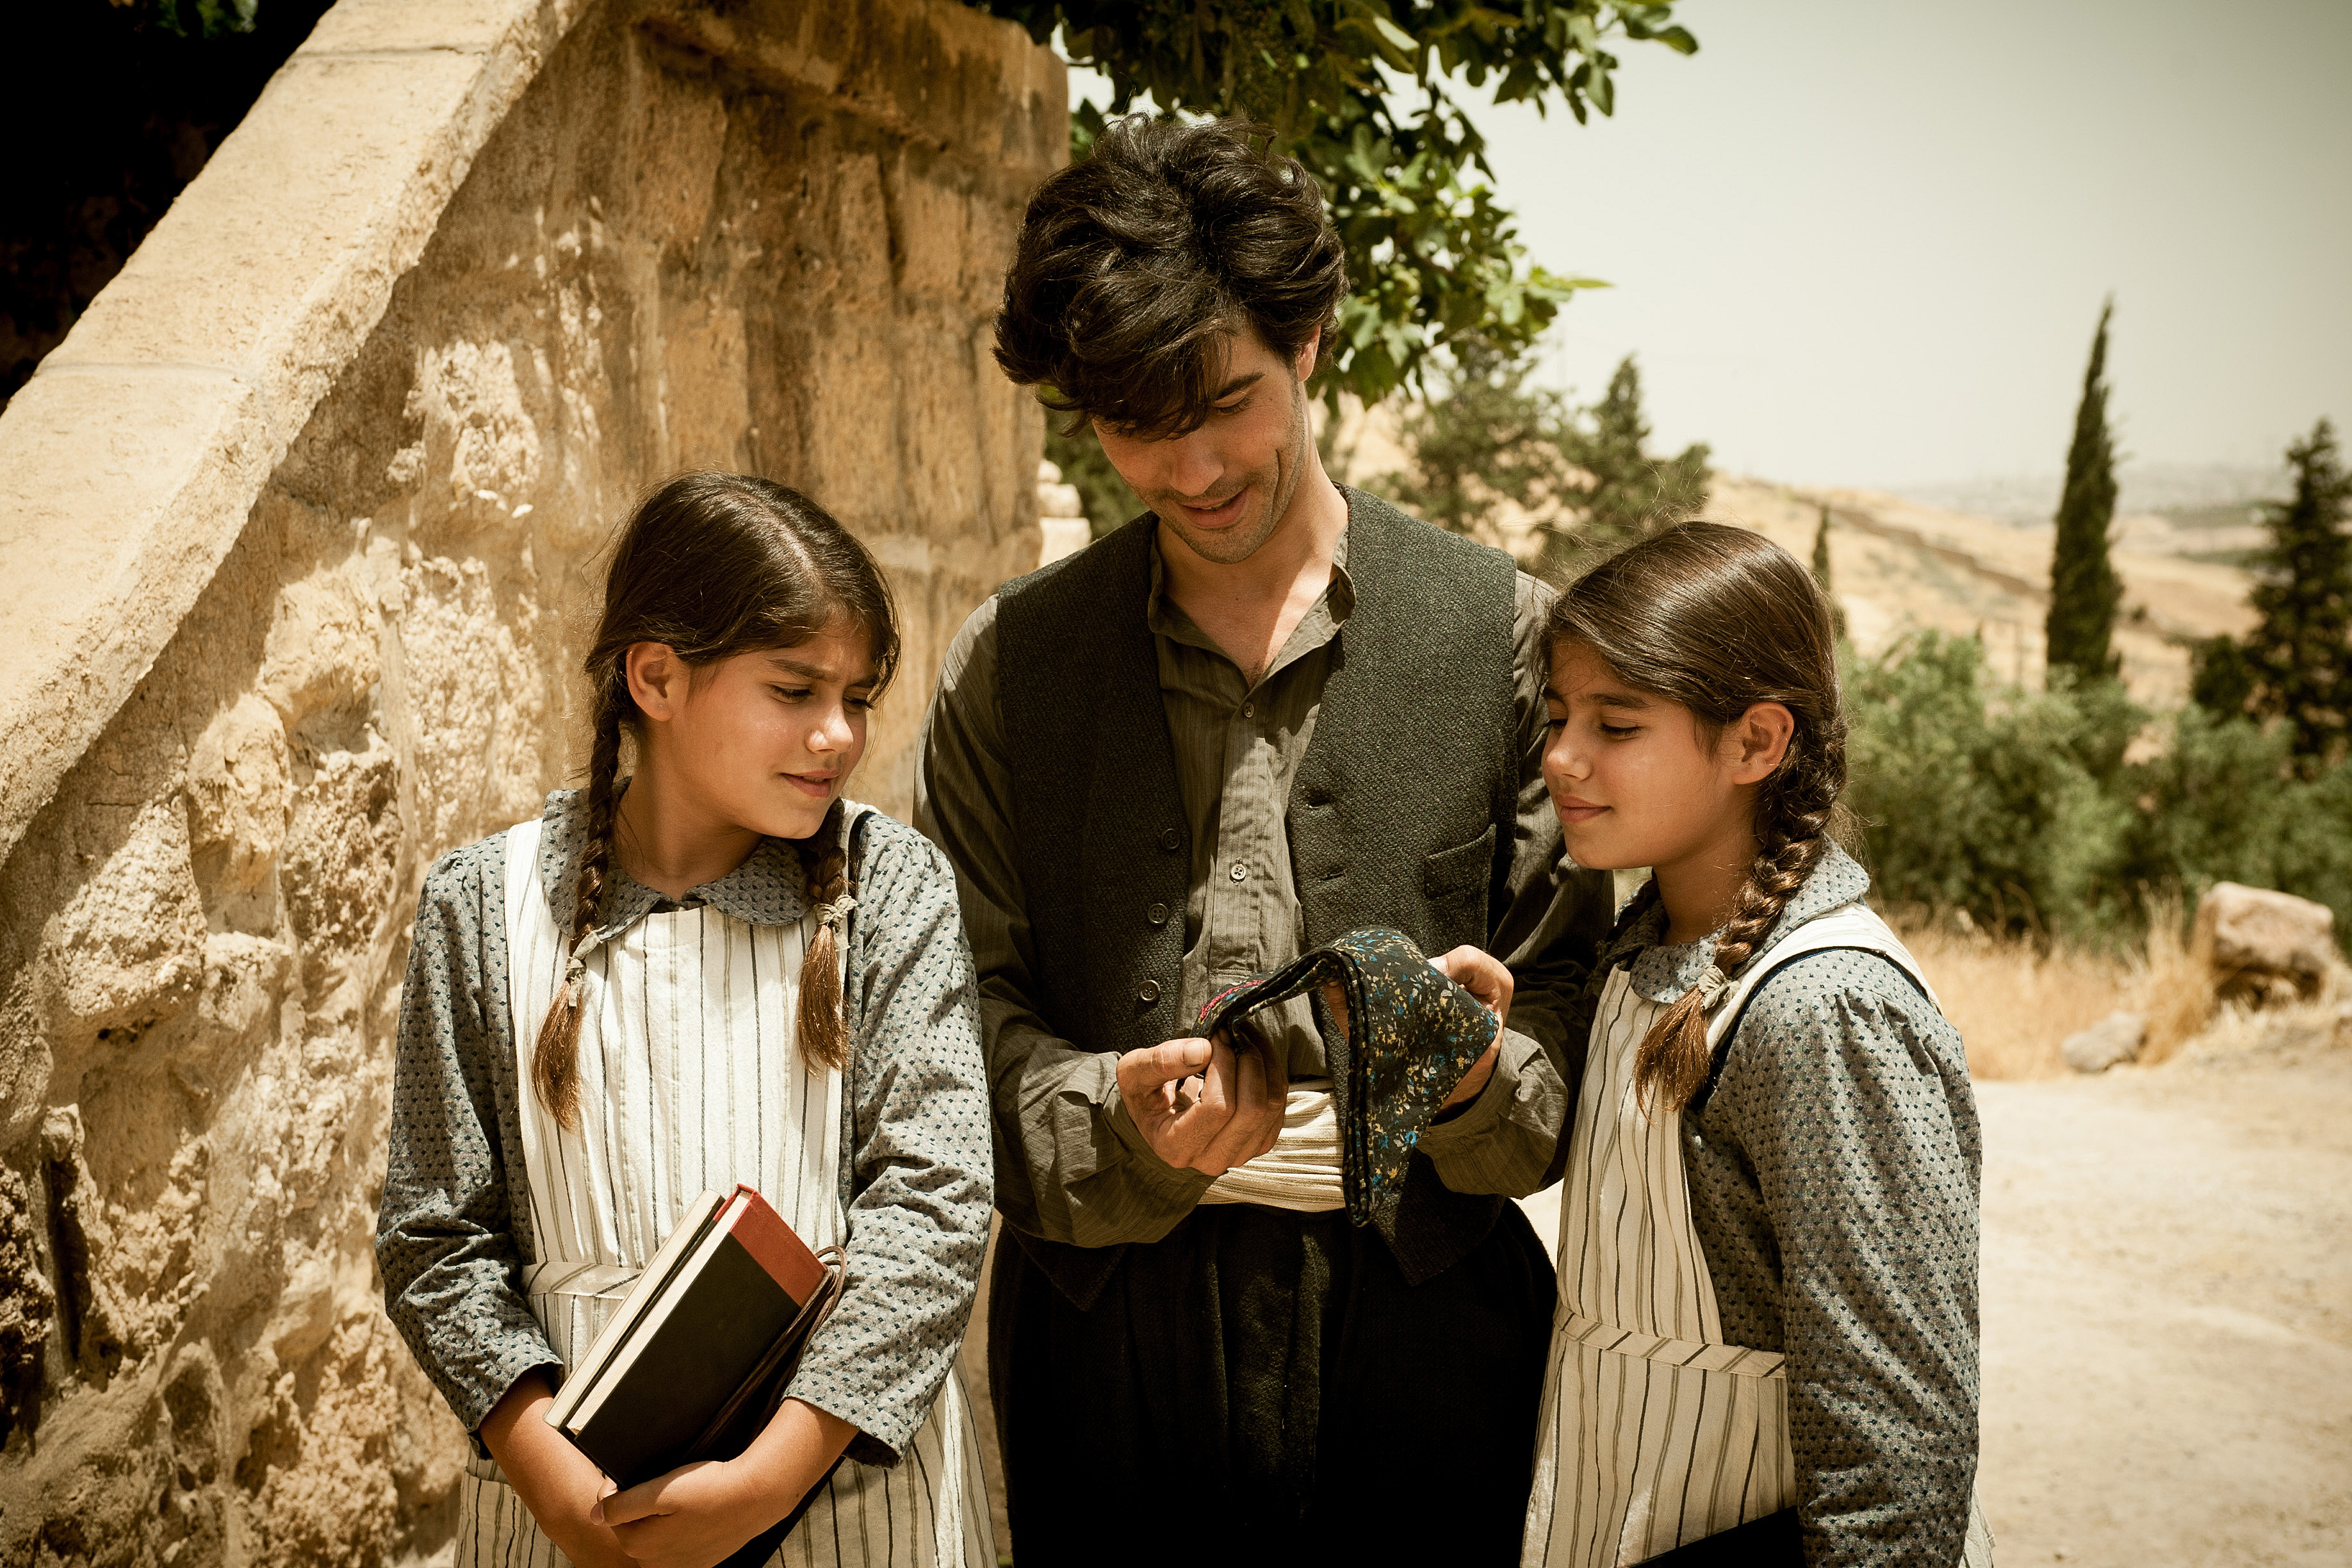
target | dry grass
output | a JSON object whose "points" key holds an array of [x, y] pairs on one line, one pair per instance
{"points": [[2238, 1030], [2172, 987], [2014, 1005]]}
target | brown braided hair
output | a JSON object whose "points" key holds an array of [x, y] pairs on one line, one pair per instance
{"points": [[823, 1032], [1719, 619], [713, 566]]}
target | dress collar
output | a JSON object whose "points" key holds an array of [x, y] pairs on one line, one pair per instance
{"points": [[768, 889], [1661, 972]]}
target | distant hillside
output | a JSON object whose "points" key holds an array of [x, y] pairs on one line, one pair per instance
{"points": [[2164, 489], [1898, 564]]}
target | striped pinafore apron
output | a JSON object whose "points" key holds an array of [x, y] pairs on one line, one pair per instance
{"points": [[1654, 1432], [690, 1079]]}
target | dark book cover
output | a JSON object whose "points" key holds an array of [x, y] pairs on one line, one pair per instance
{"points": [[701, 1383]]}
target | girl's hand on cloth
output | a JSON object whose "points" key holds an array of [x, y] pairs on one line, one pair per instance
{"points": [[698, 1514], [1482, 974], [1203, 1106]]}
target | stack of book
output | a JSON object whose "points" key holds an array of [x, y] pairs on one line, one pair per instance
{"points": [[696, 1361]]}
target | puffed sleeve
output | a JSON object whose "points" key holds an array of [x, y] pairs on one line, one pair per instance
{"points": [[920, 1183], [1847, 1096], [444, 1231]]}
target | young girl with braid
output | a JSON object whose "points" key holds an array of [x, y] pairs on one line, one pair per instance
{"points": [[713, 969], [1765, 1345]]}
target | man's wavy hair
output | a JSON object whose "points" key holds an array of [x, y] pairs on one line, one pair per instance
{"points": [[1135, 266]]}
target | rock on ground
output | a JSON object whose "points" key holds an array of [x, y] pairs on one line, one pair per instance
{"points": [[2268, 945], [2114, 1038]]}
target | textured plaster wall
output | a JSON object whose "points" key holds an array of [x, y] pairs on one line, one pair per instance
{"points": [[759, 235]]}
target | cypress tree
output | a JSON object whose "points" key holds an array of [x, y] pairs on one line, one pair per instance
{"points": [[2222, 679], [2083, 589], [2301, 652], [1631, 491], [1821, 571]]}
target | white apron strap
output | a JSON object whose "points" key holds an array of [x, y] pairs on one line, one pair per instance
{"points": [[532, 944], [1852, 925]]}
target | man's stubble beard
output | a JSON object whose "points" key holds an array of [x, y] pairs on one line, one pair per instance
{"points": [[1231, 548]]}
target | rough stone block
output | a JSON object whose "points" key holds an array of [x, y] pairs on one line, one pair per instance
{"points": [[121, 489], [2263, 945]]}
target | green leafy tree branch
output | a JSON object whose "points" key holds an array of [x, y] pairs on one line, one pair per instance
{"points": [[1362, 92]]}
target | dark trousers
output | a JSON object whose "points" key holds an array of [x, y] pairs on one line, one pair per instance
{"points": [[1262, 1384]]}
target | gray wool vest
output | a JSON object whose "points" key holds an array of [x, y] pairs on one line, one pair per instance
{"points": [[1403, 813]]}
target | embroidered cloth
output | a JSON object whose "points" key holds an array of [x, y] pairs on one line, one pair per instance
{"points": [[1411, 1035]]}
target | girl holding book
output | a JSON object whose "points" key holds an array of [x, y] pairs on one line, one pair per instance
{"points": [[715, 969], [1765, 1345]]}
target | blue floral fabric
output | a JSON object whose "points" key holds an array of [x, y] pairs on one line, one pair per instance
{"points": [[1411, 1035]]}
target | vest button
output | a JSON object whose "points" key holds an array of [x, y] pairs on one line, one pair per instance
{"points": [[1157, 914], [1148, 993], [1172, 840]]}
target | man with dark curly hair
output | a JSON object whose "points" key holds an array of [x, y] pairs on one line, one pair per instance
{"points": [[1268, 712]]}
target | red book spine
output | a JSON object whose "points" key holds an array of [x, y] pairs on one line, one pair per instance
{"points": [[773, 1246]]}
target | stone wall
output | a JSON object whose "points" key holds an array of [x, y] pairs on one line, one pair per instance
{"points": [[296, 530]]}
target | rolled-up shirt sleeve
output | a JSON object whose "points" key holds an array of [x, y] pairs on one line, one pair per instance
{"points": [[1071, 1164], [446, 1237], [919, 1172]]}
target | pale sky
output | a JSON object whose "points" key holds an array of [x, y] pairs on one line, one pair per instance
{"points": [[1865, 243]]}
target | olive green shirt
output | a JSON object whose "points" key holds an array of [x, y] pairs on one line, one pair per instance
{"points": [[1072, 1166]]}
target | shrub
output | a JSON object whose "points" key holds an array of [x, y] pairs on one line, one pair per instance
{"points": [[2022, 809], [2003, 805]]}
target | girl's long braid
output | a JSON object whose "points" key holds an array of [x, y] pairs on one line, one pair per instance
{"points": [[555, 1059], [1792, 821], [823, 1032]]}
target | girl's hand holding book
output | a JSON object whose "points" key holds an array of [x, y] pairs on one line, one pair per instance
{"points": [[697, 1515], [556, 1481]]}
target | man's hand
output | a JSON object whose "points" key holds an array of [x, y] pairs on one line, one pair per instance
{"points": [[1201, 1105], [1482, 974]]}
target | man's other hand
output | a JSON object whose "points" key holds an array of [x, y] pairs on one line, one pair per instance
{"points": [[1201, 1105], [1483, 976]]}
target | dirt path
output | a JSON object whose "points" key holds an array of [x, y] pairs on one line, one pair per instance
{"points": [[2168, 1314]]}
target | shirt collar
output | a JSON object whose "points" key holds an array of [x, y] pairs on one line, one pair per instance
{"points": [[768, 889], [1167, 619], [1662, 972]]}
